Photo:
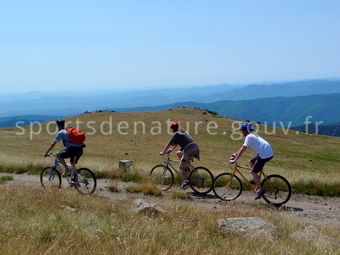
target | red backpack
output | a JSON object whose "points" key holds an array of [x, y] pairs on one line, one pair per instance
{"points": [[76, 135]]}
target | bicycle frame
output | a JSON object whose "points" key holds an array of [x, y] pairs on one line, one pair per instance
{"points": [[168, 164], [57, 163], [236, 172]]}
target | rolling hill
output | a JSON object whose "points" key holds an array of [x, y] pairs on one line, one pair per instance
{"points": [[324, 108]]}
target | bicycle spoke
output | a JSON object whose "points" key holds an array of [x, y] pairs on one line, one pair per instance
{"points": [[201, 180], [277, 190], [86, 181], [227, 187], [50, 178], [162, 177]]}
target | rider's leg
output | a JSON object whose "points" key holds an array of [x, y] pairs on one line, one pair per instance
{"points": [[256, 165], [257, 168], [257, 180], [184, 169], [183, 166], [179, 154], [61, 155], [251, 163], [74, 172], [76, 153]]}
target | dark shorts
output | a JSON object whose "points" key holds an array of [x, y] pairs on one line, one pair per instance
{"points": [[259, 163], [190, 152], [73, 153]]}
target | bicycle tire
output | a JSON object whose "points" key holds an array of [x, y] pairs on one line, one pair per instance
{"points": [[46, 178], [199, 183], [221, 191], [161, 182], [271, 187], [85, 178]]}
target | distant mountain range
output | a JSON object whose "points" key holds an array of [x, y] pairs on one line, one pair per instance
{"points": [[70, 103], [330, 130], [6, 122], [285, 102], [292, 110]]}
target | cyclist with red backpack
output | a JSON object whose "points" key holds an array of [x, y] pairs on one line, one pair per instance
{"points": [[73, 141]]}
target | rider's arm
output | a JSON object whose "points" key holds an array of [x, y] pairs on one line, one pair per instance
{"points": [[167, 147], [240, 152], [50, 148]]}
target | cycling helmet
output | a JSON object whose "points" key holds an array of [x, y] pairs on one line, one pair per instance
{"points": [[174, 125], [60, 123], [247, 126]]}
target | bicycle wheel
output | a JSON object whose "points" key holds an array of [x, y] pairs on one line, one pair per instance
{"points": [[227, 187], [162, 177], [50, 178], [87, 181], [277, 190], [201, 180]]}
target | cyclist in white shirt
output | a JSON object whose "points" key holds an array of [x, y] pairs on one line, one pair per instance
{"points": [[264, 153]]}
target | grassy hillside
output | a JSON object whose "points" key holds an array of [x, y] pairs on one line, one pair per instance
{"points": [[301, 158]]}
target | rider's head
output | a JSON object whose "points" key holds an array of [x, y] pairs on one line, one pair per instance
{"points": [[61, 124], [174, 126], [246, 128]]}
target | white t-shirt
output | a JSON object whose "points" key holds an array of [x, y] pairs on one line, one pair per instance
{"points": [[259, 145]]}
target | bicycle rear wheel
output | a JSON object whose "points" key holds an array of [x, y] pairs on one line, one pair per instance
{"points": [[162, 177], [50, 178], [227, 187], [201, 180], [87, 181], [277, 190]]}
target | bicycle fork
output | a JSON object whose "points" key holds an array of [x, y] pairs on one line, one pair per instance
{"points": [[53, 170]]}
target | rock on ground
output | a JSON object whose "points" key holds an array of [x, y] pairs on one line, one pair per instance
{"points": [[251, 227], [313, 236], [68, 208], [140, 206]]}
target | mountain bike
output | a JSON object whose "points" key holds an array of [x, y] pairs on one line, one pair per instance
{"points": [[228, 186], [82, 179], [162, 176]]}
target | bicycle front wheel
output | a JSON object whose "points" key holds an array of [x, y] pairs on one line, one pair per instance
{"points": [[277, 190], [227, 187], [50, 178], [87, 182], [201, 180], [162, 177]]}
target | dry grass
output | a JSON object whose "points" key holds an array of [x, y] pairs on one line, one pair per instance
{"points": [[181, 195], [35, 222], [5, 179], [146, 188]]}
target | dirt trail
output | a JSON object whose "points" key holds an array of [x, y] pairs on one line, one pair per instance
{"points": [[321, 211]]}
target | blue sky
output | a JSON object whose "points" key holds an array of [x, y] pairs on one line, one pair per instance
{"points": [[90, 45]]}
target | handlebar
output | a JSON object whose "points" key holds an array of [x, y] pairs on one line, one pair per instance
{"points": [[167, 154]]}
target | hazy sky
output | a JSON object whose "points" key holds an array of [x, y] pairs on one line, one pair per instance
{"points": [[51, 45]]}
